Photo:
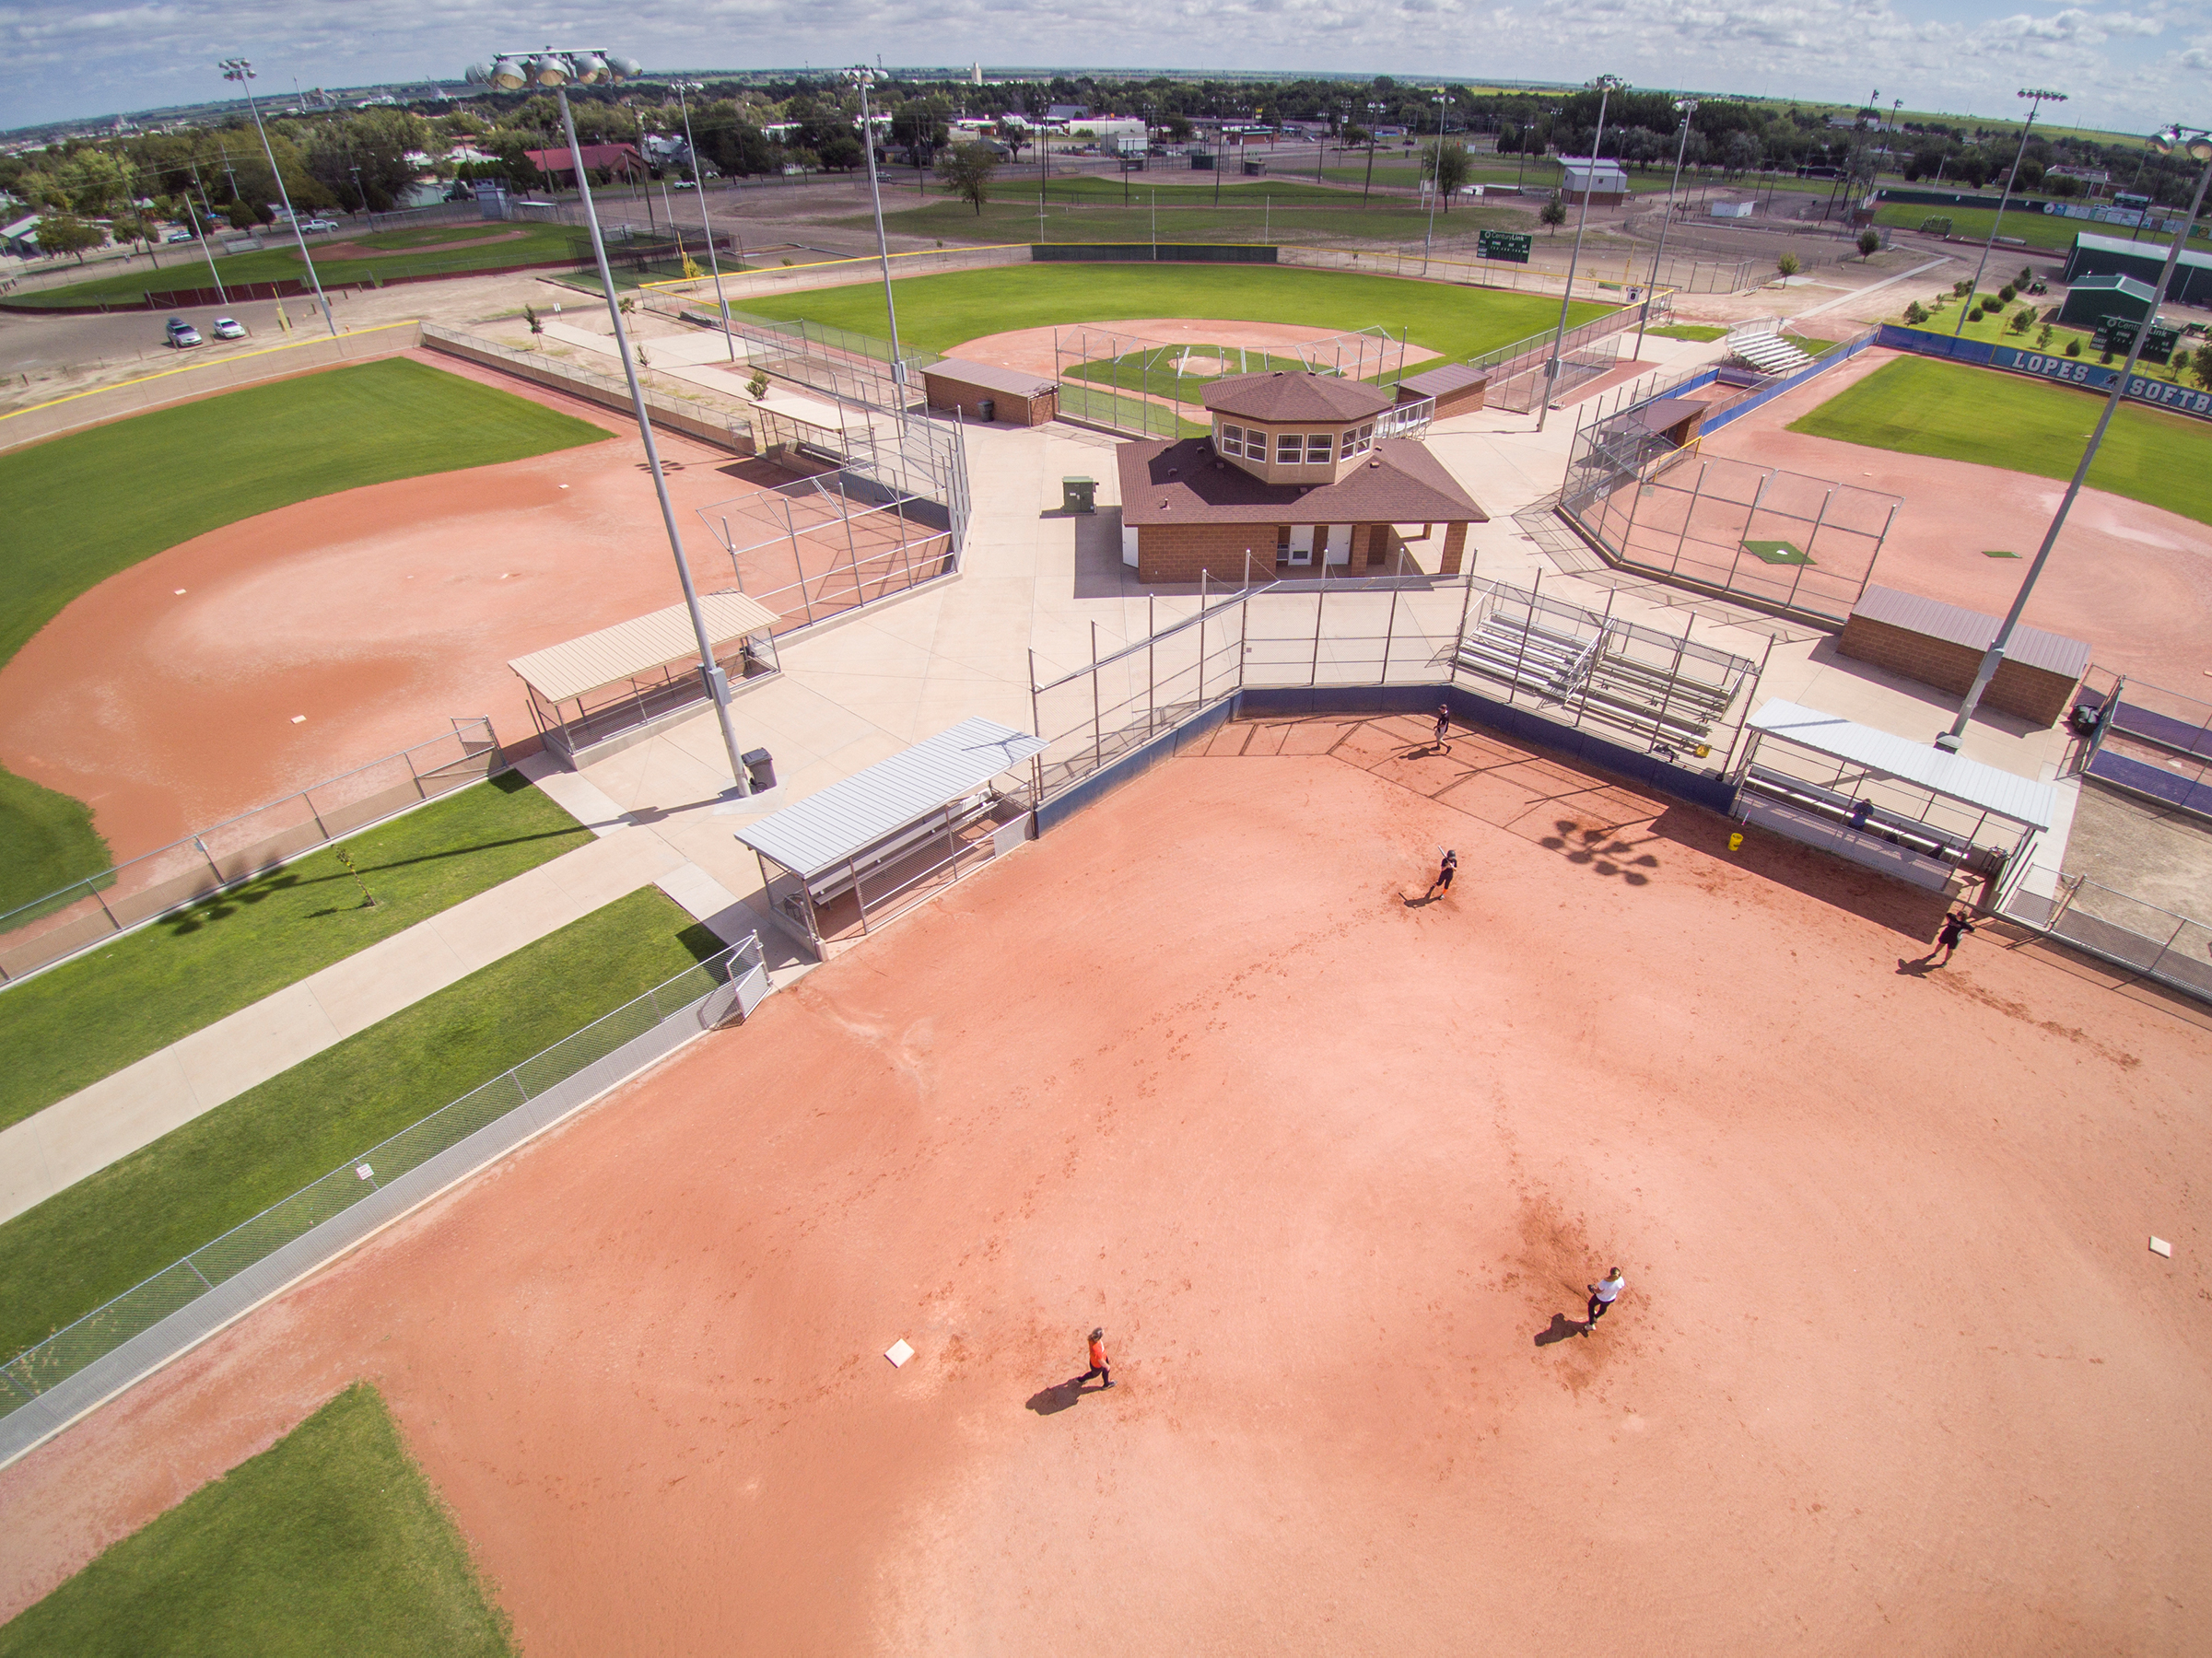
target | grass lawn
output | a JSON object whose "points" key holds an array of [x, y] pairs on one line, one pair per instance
{"points": [[1336, 217], [90, 1243], [330, 1541], [67, 1028], [2045, 232], [939, 312], [200, 467], [1690, 331], [1924, 407], [426, 254]]}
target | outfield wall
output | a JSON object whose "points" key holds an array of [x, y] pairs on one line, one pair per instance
{"points": [[2047, 366], [193, 381]]}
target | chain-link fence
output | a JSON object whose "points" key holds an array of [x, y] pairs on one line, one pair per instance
{"points": [[2171, 950], [94, 910], [1801, 545], [1157, 388], [831, 544], [1633, 686], [703, 989]]}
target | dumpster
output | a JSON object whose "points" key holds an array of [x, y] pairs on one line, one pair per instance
{"points": [[1078, 494]]}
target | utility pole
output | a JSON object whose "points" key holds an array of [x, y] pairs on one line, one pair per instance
{"points": [[242, 71], [2037, 97], [1607, 86], [1689, 108], [698, 178]]}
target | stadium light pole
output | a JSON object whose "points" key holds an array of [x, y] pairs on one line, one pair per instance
{"points": [[1689, 108], [509, 72], [1435, 183], [207, 237], [1607, 86], [2196, 143], [862, 77], [2037, 97], [706, 224], [242, 71]]}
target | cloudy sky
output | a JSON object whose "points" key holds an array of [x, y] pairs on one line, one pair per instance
{"points": [[2131, 65]]}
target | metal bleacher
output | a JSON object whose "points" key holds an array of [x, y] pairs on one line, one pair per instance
{"points": [[1598, 677], [1764, 348]]}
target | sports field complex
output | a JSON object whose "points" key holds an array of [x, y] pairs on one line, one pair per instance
{"points": [[470, 1180]]}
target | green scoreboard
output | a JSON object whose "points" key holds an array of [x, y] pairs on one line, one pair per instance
{"points": [[1504, 244]]}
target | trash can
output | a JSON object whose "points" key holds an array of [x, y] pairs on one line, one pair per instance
{"points": [[760, 770], [987, 410], [1078, 494]]}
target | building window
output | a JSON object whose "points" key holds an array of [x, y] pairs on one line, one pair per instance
{"points": [[1366, 438], [1231, 442], [1351, 445], [1317, 448], [1288, 446], [1256, 444]]}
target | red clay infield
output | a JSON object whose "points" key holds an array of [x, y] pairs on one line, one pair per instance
{"points": [[378, 614], [1031, 349], [1893, 1372], [2134, 581]]}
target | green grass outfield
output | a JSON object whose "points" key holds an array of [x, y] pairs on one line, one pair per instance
{"points": [[187, 268], [2047, 232], [330, 1541], [68, 1027], [1923, 408], [84, 507], [939, 312], [1338, 218], [86, 1246]]}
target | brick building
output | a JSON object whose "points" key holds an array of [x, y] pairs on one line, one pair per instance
{"points": [[1292, 480]]}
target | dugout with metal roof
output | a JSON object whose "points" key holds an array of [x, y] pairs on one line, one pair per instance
{"points": [[1903, 807], [610, 688], [840, 863]]}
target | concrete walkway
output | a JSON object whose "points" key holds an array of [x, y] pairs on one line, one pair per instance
{"points": [[81, 1134]]}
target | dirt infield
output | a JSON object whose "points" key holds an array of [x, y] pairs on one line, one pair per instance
{"points": [[1030, 349], [378, 614], [1895, 1372], [2135, 581]]}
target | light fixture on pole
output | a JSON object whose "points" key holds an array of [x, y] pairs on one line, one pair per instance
{"points": [[509, 72], [2196, 143], [242, 71], [1606, 84], [2037, 97], [1435, 179], [862, 77], [698, 177], [1688, 106]]}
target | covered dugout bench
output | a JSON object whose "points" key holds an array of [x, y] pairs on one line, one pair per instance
{"points": [[841, 863], [1904, 808], [609, 689]]}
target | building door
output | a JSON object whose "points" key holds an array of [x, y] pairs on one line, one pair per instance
{"points": [[1339, 544], [1128, 544], [1301, 543]]}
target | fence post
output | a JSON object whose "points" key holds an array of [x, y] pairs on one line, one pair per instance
{"points": [[413, 776], [202, 847], [1389, 631], [1097, 734], [1151, 687], [1522, 655], [1659, 732], [1820, 518], [2176, 934], [1313, 671]]}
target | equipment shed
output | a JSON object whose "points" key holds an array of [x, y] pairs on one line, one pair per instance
{"points": [[1942, 644], [840, 863], [1458, 388], [985, 392]]}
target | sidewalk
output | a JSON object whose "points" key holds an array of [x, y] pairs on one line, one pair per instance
{"points": [[81, 1134]]}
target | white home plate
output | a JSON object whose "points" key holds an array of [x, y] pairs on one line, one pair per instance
{"points": [[898, 1352], [2159, 1246]]}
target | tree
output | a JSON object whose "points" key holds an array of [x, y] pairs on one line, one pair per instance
{"points": [[1789, 264], [1916, 314], [65, 233], [1741, 153], [966, 170], [843, 153], [1554, 213], [1871, 242], [2201, 365], [1444, 163]]}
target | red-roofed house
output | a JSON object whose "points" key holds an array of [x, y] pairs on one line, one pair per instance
{"points": [[622, 159]]}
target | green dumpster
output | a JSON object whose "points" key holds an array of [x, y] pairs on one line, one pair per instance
{"points": [[1078, 494]]}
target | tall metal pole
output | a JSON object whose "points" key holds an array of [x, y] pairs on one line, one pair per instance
{"points": [[2036, 97], [2199, 146], [207, 241], [862, 77], [1436, 184], [240, 71], [717, 684], [706, 224], [1689, 108], [1605, 85]]}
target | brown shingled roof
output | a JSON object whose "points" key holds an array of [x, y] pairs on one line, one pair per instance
{"points": [[1289, 396], [1185, 483]]}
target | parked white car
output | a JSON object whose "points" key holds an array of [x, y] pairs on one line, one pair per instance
{"points": [[228, 328], [314, 225]]}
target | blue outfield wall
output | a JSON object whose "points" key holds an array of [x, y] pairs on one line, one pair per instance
{"points": [[1698, 788], [1782, 388], [2043, 365]]}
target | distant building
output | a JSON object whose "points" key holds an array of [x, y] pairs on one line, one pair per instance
{"points": [[1604, 179], [1067, 112], [621, 160], [2114, 256]]}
